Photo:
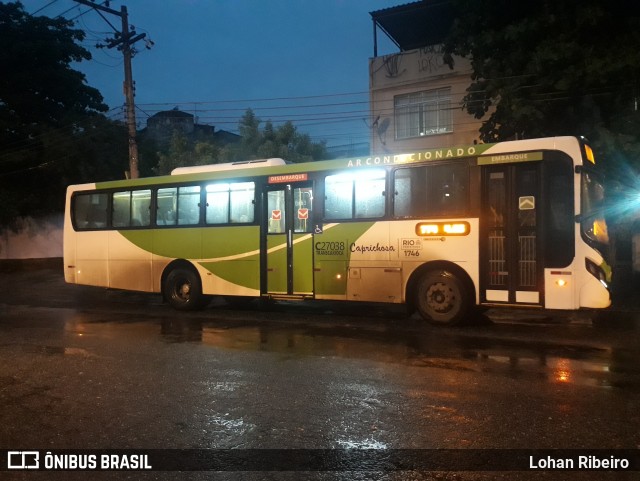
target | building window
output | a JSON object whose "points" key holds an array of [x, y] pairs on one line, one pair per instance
{"points": [[423, 113]]}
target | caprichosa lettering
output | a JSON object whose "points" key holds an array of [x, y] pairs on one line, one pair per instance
{"points": [[371, 248]]}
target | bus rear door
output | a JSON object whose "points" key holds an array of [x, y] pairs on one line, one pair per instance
{"points": [[288, 240]]}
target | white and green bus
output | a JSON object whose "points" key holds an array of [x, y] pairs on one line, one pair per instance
{"points": [[442, 230]]}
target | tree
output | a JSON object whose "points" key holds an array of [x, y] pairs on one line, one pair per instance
{"points": [[552, 67], [283, 141], [38, 87], [184, 152], [48, 113]]}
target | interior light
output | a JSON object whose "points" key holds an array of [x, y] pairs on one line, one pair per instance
{"points": [[561, 282]]}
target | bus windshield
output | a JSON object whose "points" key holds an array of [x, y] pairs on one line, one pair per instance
{"points": [[593, 224]]}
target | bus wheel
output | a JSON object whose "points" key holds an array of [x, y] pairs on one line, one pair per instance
{"points": [[442, 298], [183, 290]]}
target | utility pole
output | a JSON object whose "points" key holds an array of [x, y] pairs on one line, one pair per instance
{"points": [[123, 40]]}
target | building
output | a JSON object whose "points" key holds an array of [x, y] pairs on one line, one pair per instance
{"points": [[162, 125], [415, 96]]}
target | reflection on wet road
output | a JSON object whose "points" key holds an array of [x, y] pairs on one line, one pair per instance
{"points": [[103, 369], [590, 365]]}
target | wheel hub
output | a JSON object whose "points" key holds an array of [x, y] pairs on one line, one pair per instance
{"points": [[440, 297], [184, 290]]}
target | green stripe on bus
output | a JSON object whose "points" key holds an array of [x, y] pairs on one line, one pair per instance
{"points": [[242, 272], [197, 242], [331, 268]]}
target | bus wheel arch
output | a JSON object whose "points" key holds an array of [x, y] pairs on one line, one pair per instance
{"points": [[182, 286], [442, 292]]}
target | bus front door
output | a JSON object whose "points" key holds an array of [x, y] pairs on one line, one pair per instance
{"points": [[288, 247], [511, 254]]}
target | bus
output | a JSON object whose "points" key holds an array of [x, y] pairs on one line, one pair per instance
{"points": [[516, 223]]}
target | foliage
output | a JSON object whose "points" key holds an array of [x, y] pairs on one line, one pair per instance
{"points": [[283, 141], [51, 129], [38, 87], [553, 67], [184, 152]]}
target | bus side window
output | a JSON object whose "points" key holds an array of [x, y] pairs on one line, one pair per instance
{"points": [[131, 208], [242, 202], [141, 208], [189, 205], [435, 190], [90, 211], [338, 191], [217, 206], [166, 206], [410, 192], [370, 194], [448, 186], [355, 195], [230, 203], [121, 209]]}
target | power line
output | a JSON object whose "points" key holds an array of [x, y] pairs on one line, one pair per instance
{"points": [[42, 8]]}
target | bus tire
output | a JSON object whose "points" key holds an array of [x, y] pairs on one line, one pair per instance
{"points": [[442, 298], [183, 290]]}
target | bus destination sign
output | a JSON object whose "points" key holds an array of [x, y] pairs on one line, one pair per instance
{"points": [[286, 178]]}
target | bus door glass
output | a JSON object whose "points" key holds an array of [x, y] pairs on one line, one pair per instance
{"points": [[510, 244], [289, 239]]}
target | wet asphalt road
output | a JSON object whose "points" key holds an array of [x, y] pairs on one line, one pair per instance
{"points": [[88, 368]]}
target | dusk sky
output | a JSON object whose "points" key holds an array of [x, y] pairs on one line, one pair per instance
{"points": [[299, 60]]}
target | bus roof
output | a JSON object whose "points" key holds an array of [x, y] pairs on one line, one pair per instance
{"points": [[279, 167], [245, 164]]}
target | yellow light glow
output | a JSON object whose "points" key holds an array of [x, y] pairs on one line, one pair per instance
{"points": [[442, 228], [563, 371], [561, 282], [429, 229], [455, 229], [600, 230], [338, 276], [589, 153]]}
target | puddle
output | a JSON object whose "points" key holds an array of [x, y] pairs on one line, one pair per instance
{"points": [[57, 351], [597, 365]]}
